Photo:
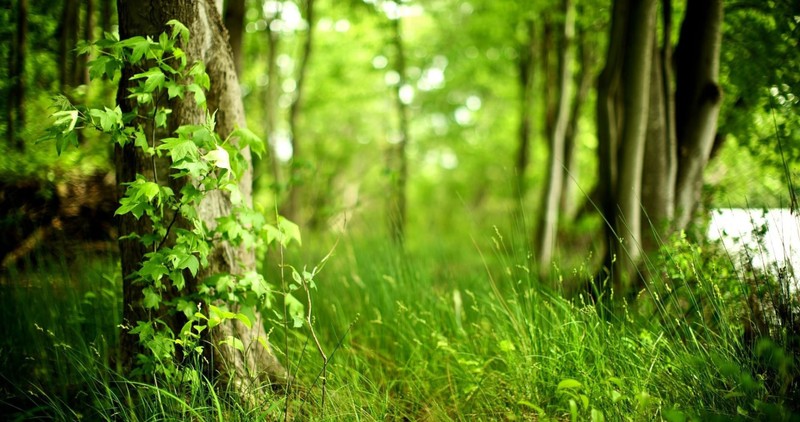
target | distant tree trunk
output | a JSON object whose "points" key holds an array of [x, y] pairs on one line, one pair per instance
{"points": [[585, 80], [291, 209], [527, 52], [549, 65], [106, 13], [208, 43], [234, 23], [679, 125], [636, 100], [609, 118], [271, 104], [88, 35], [658, 182], [623, 100], [16, 109], [548, 226], [67, 40], [698, 98], [398, 161]]}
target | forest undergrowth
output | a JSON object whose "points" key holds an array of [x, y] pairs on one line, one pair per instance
{"points": [[438, 332]]}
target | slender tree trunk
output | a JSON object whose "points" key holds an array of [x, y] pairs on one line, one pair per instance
{"points": [[549, 63], [106, 13], [292, 203], [636, 74], [88, 36], [67, 39], [526, 66], [256, 364], [548, 227], [658, 182], [571, 170], [271, 104], [18, 57], [399, 166], [234, 23], [609, 118], [698, 98]]}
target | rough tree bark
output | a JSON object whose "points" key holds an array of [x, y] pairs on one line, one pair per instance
{"points": [[209, 43], [548, 226]]}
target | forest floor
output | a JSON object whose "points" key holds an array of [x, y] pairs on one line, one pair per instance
{"points": [[444, 332]]}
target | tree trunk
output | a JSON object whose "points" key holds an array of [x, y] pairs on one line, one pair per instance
{"points": [[292, 202], [398, 161], [609, 117], [526, 66], [571, 170], [88, 35], [548, 227], [16, 110], [67, 39], [106, 12], [271, 105], [209, 44], [636, 74], [658, 182], [234, 23], [698, 98], [549, 63], [680, 127]]}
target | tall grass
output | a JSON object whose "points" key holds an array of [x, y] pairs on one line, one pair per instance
{"points": [[440, 331]]}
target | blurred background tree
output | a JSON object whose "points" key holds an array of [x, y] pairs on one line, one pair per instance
{"points": [[424, 117]]}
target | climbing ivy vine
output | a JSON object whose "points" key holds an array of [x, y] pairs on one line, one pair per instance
{"points": [[205, 162]]}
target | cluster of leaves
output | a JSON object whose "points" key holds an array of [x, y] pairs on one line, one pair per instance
{"points": [[202, 162]]}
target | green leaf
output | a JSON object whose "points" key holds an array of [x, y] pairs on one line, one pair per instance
{"points": [[233, 342], [198, 72], [179, 28], [66, 118], [161, 117], [154, 79], [507, 346], [531, 406], [569, 384], [110, 119], [174, 89], [149, 190], [104, 65], [219, 158], [179, 148], [188, 308], [151, 299], [65, 140], [139, 47], [295, 309], [189, 262], [290, 230], [244, 319], [249, 139], [199, 95]]}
